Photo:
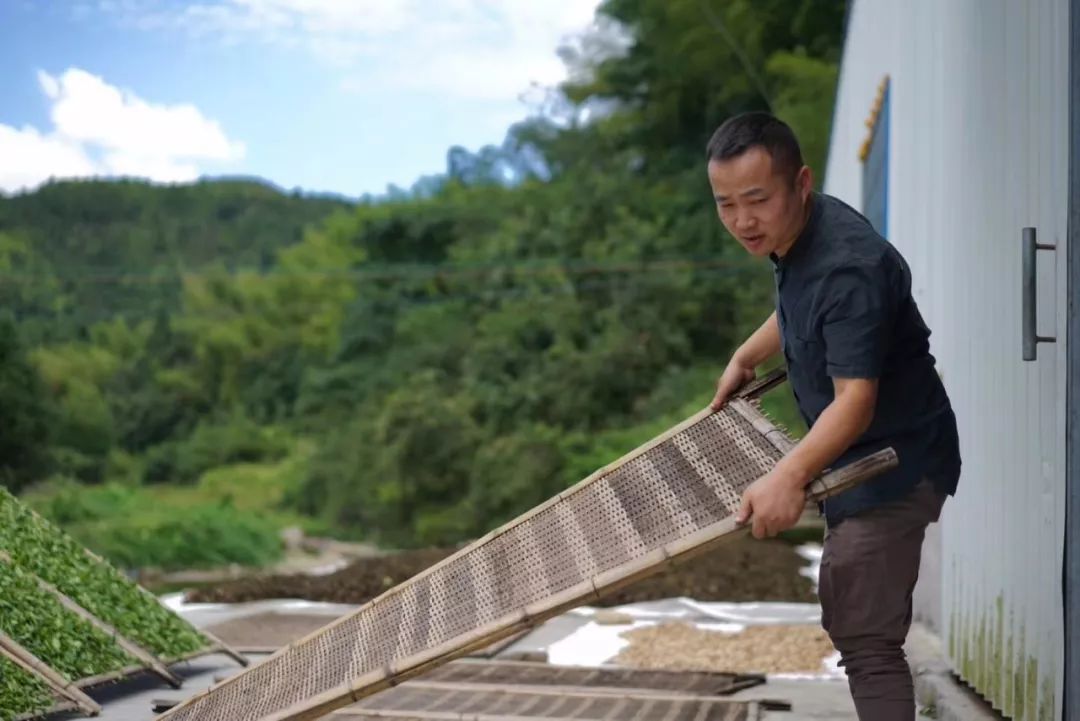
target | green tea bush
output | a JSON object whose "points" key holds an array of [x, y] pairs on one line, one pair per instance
{"points": [[37, 620], [200, 537], [70, 503], [21, 693], [42, 549], [229, 517], [234, 439]]}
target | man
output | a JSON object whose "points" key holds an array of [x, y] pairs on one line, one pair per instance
{"points": [[859, 365]]}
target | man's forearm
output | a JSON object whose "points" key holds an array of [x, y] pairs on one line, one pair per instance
{"points": [[838, 426], [762, 344]]}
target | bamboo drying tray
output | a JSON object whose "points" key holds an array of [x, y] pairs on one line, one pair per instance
{"points": [[69, 693], [670, 499]]}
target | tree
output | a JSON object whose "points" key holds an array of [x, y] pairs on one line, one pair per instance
{"points": [[453, 353], [25, 417]]}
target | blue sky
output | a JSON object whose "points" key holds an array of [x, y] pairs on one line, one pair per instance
{"points": [[342, 96]]}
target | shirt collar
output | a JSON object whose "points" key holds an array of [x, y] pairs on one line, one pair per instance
{"points": [[805, 239]]}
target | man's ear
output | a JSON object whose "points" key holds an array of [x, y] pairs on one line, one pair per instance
{"points": [[804, 182]]}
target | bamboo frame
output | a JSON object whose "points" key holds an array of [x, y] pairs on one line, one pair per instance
{"points": [[128, 671], [104, 678], [498, 647], [12, 650], [752, 707], [220, 646], [763, 384], [589, 590], [58, 707], [150, 662], [582, 691], [217, 645], [738, 681], [753, 712], [261, 650], [92, 681], [77, 700], [208, 651]]}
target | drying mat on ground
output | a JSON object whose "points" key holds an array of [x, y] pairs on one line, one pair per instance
{"points": [[670, 499], [541, 674], [766, 649], [267, 631], [423, 701], [499, 646]]}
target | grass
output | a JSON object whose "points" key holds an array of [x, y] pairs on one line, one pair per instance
{"points": [[253, 488], [232, 515]]}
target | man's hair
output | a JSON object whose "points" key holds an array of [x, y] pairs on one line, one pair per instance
{"points": [[742, 132]]}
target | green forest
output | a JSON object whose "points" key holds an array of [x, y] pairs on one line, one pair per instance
{"points": [[187, 369]]}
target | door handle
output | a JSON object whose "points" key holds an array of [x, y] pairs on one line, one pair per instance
{"points": [[1030, 339]]}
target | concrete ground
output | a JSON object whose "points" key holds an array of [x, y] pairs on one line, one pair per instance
{"points": [[132, 701], [810, 699], [936, 688]]}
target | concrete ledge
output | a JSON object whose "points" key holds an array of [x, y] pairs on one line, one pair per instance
{"points": [[937, 691]]}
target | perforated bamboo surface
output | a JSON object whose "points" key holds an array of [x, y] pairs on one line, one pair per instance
{"points": [[521, 673], [670, 498], [457, 703]]}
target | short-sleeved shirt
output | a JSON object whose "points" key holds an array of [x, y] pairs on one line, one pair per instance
{"points": [[845, 310]]}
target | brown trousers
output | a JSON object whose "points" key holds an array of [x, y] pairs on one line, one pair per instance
{"points": [[868, 571]]}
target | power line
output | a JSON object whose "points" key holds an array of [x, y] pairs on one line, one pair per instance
{"points": [[748, 66], [83, 317], [392, 272]]}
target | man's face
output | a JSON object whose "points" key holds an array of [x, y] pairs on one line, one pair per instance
{"points": [[762, 209]]}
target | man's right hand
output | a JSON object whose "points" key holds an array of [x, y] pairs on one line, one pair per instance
{"points": [[735, 376]]}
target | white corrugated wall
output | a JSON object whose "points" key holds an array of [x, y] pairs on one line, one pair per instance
{"points": [[979, 148]]}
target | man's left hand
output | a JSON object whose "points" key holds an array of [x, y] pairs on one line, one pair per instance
{"points": [[774, 502]]}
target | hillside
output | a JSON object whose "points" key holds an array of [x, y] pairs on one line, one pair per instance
{"points": [[192, 368], [76, 253]]}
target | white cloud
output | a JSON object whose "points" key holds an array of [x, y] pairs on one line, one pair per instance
{"points": [[49, 85], [28, 158], [327, 16], [87, 109], [102, 130], [471, 49]]}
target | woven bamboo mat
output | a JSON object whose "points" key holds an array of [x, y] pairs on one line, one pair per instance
{"points": [[449, 702], [520, 673], [670, 499]]}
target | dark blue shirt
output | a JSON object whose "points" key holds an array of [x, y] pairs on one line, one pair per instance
{"points": [[845, 310]]}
